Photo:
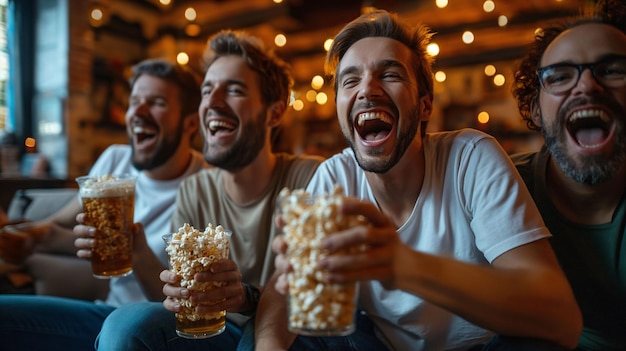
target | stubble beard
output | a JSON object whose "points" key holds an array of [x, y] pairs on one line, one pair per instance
{"points": [[161, 154], [383, 165], [243, 151]]}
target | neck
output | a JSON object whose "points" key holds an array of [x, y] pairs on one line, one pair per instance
{"points": [[396, 190], [584, 203], [246, 185], [175, 167]]}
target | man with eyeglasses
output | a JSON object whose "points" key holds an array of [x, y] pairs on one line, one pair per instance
{"points": [[572, 87]]}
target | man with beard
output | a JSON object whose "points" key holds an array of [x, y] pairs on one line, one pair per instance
{"points": [[245, 93], [160, 121], [455, 249], [572, 87]]}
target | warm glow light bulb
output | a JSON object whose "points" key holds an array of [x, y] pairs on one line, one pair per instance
{"points": [[317, 82], [440, 76], [502, 20], [97, 14], [321, 98], [280, 40], [483, 117], [432, 49], [278, 1], [441, 3], [468, 37], [499, 80], [489, 6], [182, 58], [298, 105], [490, 70], [327, 44], [310, 95], [165, 2], [30, 142], [190, 14]]}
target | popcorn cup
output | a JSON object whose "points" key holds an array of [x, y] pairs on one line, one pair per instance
{"points": [[315, 307], [191, 251], [109, 205]]}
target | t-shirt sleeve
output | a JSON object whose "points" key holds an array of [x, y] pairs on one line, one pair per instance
{"points": [[503, 215]]}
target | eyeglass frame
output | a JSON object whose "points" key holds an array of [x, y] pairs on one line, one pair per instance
{"points": [[581, 67]]}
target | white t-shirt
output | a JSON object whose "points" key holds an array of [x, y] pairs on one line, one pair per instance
{"points": [[473, 206], [154, 205]]}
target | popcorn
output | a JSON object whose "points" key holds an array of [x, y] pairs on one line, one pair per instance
{"points": [[191, 251], [315, 307]]}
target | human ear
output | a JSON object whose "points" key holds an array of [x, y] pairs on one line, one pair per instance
{"points": [[275, 113]]}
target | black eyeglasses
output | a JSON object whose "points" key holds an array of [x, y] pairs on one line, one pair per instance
{"points": [[562, 77]]}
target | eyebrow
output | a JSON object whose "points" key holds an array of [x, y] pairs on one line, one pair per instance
{"points": [[227, 81]]}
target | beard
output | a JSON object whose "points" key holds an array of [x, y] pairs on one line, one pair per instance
{"points": [[245, 149], [163, 152], [585, 169], [383, 165]]}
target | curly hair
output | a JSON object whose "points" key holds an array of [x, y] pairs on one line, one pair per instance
{"points": [[526, 85], [275, 74]]}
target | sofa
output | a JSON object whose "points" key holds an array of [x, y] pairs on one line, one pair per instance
{"points": [[54, 274]]}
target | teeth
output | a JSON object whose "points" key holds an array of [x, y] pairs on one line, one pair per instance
{"points": [[143, 130], [369, 116], [588, 114], [215, 125]]}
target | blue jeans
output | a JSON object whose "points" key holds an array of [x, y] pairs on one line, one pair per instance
{"points": [[32, 322], [149, 326], [363, 339]]}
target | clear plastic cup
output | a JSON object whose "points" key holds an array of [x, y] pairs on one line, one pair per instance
{"points": [[315, 307], [190, 252], [109, 206]]}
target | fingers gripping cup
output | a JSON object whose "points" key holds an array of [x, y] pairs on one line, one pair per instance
{"points": [[191, 251], [109, 205], [315, 307]]}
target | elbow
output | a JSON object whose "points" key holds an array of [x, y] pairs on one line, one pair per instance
{"points": [[570, 328]]}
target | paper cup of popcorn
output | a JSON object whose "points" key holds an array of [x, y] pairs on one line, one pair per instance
{"points": [[191, 251], [109, 206], [315, 308]]}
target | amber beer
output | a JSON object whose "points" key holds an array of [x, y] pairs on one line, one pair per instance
{"points": [[108, 204]]}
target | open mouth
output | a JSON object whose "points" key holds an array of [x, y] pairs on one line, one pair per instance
{"points": [[590, 128], [373, 126], [143, 133], [216, 126]]}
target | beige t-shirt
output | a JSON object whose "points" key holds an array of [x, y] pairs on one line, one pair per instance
{"points": [[202, 199]]}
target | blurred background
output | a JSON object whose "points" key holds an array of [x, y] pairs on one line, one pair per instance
{"points": [[64, 66]]}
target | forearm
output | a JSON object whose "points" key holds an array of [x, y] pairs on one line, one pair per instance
{"points": [[146, 268], [517, 299], [270, 326]]}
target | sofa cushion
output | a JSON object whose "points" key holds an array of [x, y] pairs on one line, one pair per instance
{"points": [[37, 204]]}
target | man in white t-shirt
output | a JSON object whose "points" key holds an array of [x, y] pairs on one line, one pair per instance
{"points": [[455, 247], [160, 121]]}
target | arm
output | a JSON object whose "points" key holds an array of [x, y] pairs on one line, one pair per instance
{"points": [[524, 293], [146, 265], [270, 325]]}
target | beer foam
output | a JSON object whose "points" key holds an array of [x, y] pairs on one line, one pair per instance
{"points": [[105, 186]]}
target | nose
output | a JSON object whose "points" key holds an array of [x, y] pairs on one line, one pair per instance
{"points": [[369, 88], [587, 83]]}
